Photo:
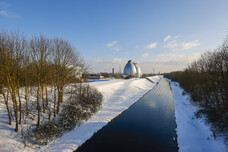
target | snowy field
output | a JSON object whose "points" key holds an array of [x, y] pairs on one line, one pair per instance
{"points": [[118, 96], [193, 134]]}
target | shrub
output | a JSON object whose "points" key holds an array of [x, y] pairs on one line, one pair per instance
{"points": [[83, 102], [206, 80], [129, 77]]}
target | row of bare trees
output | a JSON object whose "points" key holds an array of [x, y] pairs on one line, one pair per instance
{"points": [[35, 64], [207, 82]]}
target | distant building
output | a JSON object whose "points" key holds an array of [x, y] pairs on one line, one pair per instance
{"points": [[113, 72], [131, 68], [95, 76]]}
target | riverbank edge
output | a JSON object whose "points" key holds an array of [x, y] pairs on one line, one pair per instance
{"points": [[193, 134], [54, 146], [156, 83]]}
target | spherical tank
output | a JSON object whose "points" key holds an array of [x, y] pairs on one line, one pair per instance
{"points": [[138, 70], [129, 68]]}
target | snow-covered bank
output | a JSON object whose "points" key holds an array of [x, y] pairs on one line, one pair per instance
{"points": [[119, 94], [193, 134]]}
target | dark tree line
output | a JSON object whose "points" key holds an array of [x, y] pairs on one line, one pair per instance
{"points": [[206, 80], [35, 65]]}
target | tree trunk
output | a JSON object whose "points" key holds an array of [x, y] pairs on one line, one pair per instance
{"points": [[26, 99], [14, 99], [38, 104], [42, 96], [59, 99], [19, 99], [12, 89], [54, 100], [46, 95], [7, 104], [61, 94]]}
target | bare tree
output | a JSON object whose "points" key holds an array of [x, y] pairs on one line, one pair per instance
{"points": [[39, 53], [68, 65]]}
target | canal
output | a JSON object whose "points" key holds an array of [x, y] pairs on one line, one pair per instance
{"points": [[148, 125]]}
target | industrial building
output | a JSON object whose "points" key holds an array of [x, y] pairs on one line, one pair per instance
{"points": [[132, 69]]}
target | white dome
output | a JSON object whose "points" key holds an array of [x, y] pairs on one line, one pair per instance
{"points": [[129, 68], [138, 70]]}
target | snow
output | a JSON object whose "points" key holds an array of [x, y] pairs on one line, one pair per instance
{"points": [[194, 135], [97, 80], [119, 95], [7, 133]]}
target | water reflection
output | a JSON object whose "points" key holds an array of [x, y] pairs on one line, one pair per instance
{"points": [[152, 105], [148, 125]]}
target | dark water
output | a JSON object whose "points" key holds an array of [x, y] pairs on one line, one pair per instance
{"points": [[147, 126]]}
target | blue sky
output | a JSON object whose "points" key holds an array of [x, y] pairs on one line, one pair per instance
{"points": [[162, 35]]}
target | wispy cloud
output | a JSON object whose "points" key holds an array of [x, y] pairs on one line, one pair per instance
{"points": [[171, 45], [176, 58], [8, 14], [181, 46], [177, 36], [189, 45], [137, 47], [151, 46], [3, 13], [4, 4], [110, 61], [116, 48], [166, 38], [113, 45], [106, 64], [168, 62], [144, 55]]}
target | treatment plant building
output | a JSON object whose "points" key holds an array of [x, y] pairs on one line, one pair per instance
{"points": [[132, 68]]}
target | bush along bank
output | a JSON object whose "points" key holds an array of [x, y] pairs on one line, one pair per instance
{"points": [[83, 102], [206, 80]]}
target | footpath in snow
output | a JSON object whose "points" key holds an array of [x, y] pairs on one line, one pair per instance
{"points": [[193, 134]]}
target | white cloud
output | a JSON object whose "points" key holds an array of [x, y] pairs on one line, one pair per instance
{"points": [[151, 46], [110, 61], [3, 13], [176, 58], [116, 60], [168, 62], [144, 55], [172, 44], [189, 45], [113, 45], [181, 46], [160, 63], [166, 38], [106, 65], [8, 14], [109, 45]]}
